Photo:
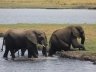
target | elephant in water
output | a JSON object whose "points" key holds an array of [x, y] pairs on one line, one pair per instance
{"points": [[24, 39], [62, 39]]}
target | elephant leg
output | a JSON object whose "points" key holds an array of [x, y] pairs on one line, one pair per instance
{"points": [[12, 53], [75, 44], [6, 54], [44, 51], [52, 49], [51, 52], [15, 50], [34, 51], [34, 54], [29, 53], [23, 51], [63, 45]]}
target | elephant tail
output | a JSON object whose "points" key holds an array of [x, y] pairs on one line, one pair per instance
{"points": [[2, 45]]}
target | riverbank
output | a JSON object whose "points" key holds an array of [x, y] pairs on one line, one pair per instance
{"points": [[49, 4], [80, 55]]}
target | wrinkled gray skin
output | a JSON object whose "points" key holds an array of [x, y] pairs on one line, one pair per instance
{"points": [[28, 39], [62, 39]]}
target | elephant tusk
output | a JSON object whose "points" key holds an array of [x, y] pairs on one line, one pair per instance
{"points": [[43, 45]]}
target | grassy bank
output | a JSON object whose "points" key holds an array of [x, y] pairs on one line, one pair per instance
{"points": [[48, 4], [90, 32]]}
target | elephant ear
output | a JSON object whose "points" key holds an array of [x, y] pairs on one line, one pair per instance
{"points": [[75, 32], [31, 37]]}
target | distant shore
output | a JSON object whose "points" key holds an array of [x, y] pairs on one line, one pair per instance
{"points": [[40, 7], [49, 4]]}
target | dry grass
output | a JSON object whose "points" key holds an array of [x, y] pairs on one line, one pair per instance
{"points": [[46, 3]]}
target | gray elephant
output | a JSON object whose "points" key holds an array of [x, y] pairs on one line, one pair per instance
{"points": [[62, 39], [28, 39]]}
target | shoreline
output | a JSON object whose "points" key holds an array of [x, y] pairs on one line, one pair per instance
{"points": [[48, 8], [77, 6], [79, 55]]}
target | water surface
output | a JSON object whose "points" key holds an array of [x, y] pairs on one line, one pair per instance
{"points": [[47, 16], [42, 64]]}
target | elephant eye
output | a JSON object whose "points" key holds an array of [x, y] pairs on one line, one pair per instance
{"points": [[41, 37], [82, 32]]}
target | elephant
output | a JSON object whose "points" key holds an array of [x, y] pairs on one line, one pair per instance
{"points": [[62, 39], [24, 39]]}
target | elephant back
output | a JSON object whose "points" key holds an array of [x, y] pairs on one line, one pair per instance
{"points": [[14, 33]]}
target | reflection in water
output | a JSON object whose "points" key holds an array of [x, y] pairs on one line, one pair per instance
{"points": [[43, 64], [47, 16]]}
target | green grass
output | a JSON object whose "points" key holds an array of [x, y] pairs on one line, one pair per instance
{"points": [[90, 31]]}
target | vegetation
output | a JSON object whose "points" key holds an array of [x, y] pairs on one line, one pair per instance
{"points": [[48, 3], [90, 31]]}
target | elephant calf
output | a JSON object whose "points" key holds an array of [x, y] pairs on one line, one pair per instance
{"points": [[62, 39], [28, 39]]}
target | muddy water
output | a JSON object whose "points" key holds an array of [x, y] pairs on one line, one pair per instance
{"points": [[42, 64]]}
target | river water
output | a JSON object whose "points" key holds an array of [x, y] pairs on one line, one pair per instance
{"points": [[47, 16], [42, 64]]}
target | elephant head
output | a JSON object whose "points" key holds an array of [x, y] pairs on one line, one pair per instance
{"points": [[38, 37], [42, 39], [78, 31]]}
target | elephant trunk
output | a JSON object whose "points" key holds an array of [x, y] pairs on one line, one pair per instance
{"points": [[44, 50], [82, 38]]}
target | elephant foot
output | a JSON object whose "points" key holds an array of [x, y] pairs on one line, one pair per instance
{"points": [[22, 55], [83, 49], [12, 59], [50, 55], [5, 58], [94, 62], [45, 55], [35, 56], [29, 56]]}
